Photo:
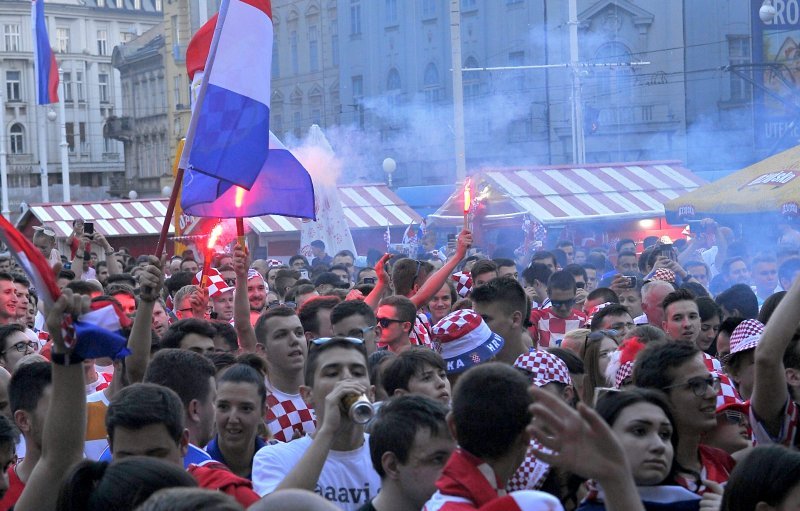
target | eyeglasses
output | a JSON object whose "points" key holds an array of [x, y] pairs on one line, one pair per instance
{"points": [[699, 385], [598, 336], [324, 340], [562, 303], [385, 322], [275, 304], [733, 418], [360, 333], [22, 347]]}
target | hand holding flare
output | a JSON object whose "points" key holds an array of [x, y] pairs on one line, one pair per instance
{"points": [[467, 201], [212, 240]]}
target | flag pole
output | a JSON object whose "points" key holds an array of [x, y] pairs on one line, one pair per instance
{"points": [[240, 230], [4, 160], [173, 198]]}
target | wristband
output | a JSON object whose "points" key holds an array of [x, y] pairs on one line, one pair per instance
{"points": [[65, 359]]}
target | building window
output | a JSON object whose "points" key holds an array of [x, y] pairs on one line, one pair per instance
{"points": [[391, 12], [431, 83], [176, 35], [79, 85], [12, 37], [358, 87], [471, 81], [67, 86], [610, 80], [293, 50], [70, 129], [14, 85], [393, 80], [17, 138], [102, 42], [428, 8], [297, 120], [101, 3], [177, 90], [276, 65], [334, 43], [313, 48], [62, 40], [355, 18], [137, 4], [102, 81], [739, 53], [159, 5]]}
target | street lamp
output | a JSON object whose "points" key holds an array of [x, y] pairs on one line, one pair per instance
{"points": [[132, 195], [389, 166], [767, 12]]}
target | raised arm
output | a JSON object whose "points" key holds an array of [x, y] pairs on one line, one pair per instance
{"points": [[437, 279], [769, 387], [374, 296], [151, 281], [112, 263], [241, 305], [65, 422]]}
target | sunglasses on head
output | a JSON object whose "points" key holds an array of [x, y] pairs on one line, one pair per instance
{"points": [[324, 340]]}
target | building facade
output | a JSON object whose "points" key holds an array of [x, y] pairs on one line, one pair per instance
{"points": [[83, 35]]}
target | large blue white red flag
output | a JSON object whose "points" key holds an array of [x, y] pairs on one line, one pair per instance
{"points": [[228, 136], [44, 58], [32, 261]]}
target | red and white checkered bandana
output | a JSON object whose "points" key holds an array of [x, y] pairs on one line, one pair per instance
{"points": [[463, 283], [594, 310], [664, 274], [625, 371], [746, 336], [273, 262], [620, 364], [727, 394], [252, 273], [216, 284], [543, 368]]}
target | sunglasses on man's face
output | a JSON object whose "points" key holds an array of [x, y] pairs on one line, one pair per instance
{"points": [[559, 304], [385, 322]]}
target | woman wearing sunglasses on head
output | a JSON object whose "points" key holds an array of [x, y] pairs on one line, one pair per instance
{"points": [[642, 422]]}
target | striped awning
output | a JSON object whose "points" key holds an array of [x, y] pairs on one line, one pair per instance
{"points": [[372, 206], [595, 192], [111, 218]]}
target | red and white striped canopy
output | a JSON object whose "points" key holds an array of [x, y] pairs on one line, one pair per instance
{"points": [[112, 218]]}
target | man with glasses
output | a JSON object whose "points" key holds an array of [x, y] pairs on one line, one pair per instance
{"points": [[552, 323], [15, 345], [334, 461], [395, 317], [613, 317], [679, 370], [354, 318]]}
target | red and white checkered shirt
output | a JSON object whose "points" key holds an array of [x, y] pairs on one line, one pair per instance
{"points": [[421, 335], [548, 329], [532, 473], [287, 413]]}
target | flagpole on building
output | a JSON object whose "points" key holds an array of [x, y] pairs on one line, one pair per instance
{"points": [[64, 145], [42, 129], [3, 159]]}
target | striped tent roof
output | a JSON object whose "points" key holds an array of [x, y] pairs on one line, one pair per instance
{"points": [[112, 218]]}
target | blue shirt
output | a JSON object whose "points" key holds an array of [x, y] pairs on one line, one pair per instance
{"points": [[194, 456]]}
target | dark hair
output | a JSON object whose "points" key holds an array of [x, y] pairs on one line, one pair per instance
{"points": [[614, 309], [561, 257], [788, 268], [694, 263], [308, 312], [679, 295], [695, 288], [573, 362], [120, 288], [300, 257], [182, 371], [707, 308], [611, 405], [768, 474], [407, 364], [6, 331], [503, 262], [189, 499], [647, 333], [256, 362], [576, 270], [593, 377], [177, 331], [9, 434], [626, 253], [603, 293], [243, 373], [122, 485], [66, 274], [653, 366], [28, 384], [20, 278], [125, 279], [482, 266], [375, 365], [84, 287], [769, 306], [541, 255], [221, 360], [227, 332], [741, 298], [726, 265], [406, 272], [507, 293], [144, 404], [501, 420], [299, 289], [177, 280], [403, 306], [561, 280], [315, 351], [275, 312], [537, 271], [349, 308], [397, 424], [4, 275], [623, 241]]}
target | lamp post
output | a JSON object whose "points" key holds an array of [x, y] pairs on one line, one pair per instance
{"points": [[389, 166], [767, 11], [64, 145], [3, 162]]}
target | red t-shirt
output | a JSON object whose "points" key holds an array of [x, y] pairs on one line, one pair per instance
{"points": [[548, 329], [213, 475], [717, 467], [15, 487]]}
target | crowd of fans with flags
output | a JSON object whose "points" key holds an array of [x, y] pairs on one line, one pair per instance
{"points": [[642, 375]]}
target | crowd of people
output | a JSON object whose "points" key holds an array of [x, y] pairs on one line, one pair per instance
{"points": [[648, 374]]}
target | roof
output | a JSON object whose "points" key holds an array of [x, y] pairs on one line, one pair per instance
{"points": [[112, 218], [366, 206], [610, 191], [770, 186]]}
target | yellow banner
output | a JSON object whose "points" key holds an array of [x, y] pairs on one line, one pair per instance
{"points": [[177, 217]]}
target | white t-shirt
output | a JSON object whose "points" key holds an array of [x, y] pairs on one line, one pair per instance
{"points": [[347, 478]]}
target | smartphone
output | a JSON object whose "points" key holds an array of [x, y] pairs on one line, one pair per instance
{"points": [[369, 280], [88, 228], [580, 285], [304, 274], [630, 281], [666, 251]]}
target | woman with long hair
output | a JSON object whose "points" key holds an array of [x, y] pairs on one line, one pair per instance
{"points": [[599, 347]]}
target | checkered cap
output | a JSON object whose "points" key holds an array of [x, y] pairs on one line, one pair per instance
{"points": [[727, 394], [252, 273], [746, 336], [664, 274], [216, 284], [594, 310], [543, 368], [463, 283], [625, 371], [273, 262], [464, 339]]}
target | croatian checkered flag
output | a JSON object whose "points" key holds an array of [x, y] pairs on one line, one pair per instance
{"points": [[216, 284]]}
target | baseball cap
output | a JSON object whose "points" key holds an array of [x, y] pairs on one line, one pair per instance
{"points": [[543, 368]]}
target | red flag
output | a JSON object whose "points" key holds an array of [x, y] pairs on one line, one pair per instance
{"points": [[32, 261]]}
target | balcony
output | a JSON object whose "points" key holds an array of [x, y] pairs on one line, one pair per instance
{"points": [[119, 128]]}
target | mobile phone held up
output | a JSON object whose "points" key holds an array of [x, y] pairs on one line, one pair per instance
{"points": [[88, 229]]}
